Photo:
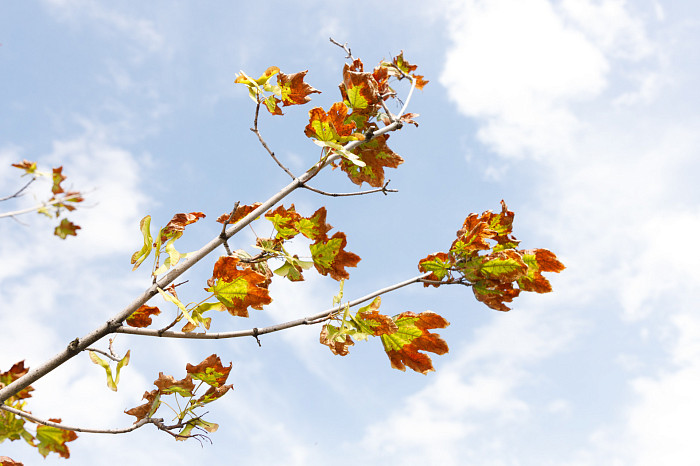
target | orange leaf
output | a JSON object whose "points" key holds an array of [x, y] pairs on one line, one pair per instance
{"points": [[210, 371], [404, 346], [294, 90], [238, 289], [330, 257], [141, 317], [376, 155], [179, 222], [241, 212]]}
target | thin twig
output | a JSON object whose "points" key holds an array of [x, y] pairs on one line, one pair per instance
{"points": [[408, 99], [310, 320], [264, 144], [33, 418], [223, 229], [383, 189], [104, 353], [18, 193], [439, 282], [344, 47]]}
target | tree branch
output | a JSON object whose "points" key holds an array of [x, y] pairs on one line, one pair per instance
{"points": [[113, 324], [33, 418], [310, 320]]}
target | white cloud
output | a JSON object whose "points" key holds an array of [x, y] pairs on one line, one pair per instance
{"points": [[517, 65]]}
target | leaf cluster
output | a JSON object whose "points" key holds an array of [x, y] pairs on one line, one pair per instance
{"points": [[484, 256], [187, 396], [47, 439], [59, 200]]}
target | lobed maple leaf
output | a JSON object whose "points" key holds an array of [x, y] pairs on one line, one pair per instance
{"points": [[238, 289], [376, 155], [404, 345], [178, 223], [293, 88], [337, 341], [284, 221], [167, 384], [330, 257], [147, 409], [538, 261], [57, 178], [240, 212], [210, 371], [331, 128], [66, 228], [53, 439], [360, 90], [16, 371], [141, 317], [28, 167], [314, 227]]}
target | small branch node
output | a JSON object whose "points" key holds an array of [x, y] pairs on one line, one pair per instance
{"points": [[255, 335]]}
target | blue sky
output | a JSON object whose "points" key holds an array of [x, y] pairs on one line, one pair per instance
{"points": [[581, 114]]}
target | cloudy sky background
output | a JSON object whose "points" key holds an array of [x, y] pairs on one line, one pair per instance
{"points": [[581, 114]]}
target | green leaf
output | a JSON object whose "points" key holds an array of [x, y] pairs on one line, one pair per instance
{"points": [[111, 382], [139, 256], [53, 439], [12, 427], [178, 303], [404, 346], [330, 257]]}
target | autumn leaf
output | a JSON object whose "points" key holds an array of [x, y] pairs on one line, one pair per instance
{"points": [[284, 221], [16, 371], [57, 178], [404, 346], [438, 264], [141, 317], [240, 212], [294, 90], [538, 261], [12, 426], [376, 155], [337, 341], [330, 257], [66, 228], [28, 167], [238, 289], [369, 322], [147, 409], [210, 371], [167, 384], [402, 64], [53, 439], [213, 394], [178, 223], [331, 127], [360, 90], [504, 266], [494, 293], [314, 227]]}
